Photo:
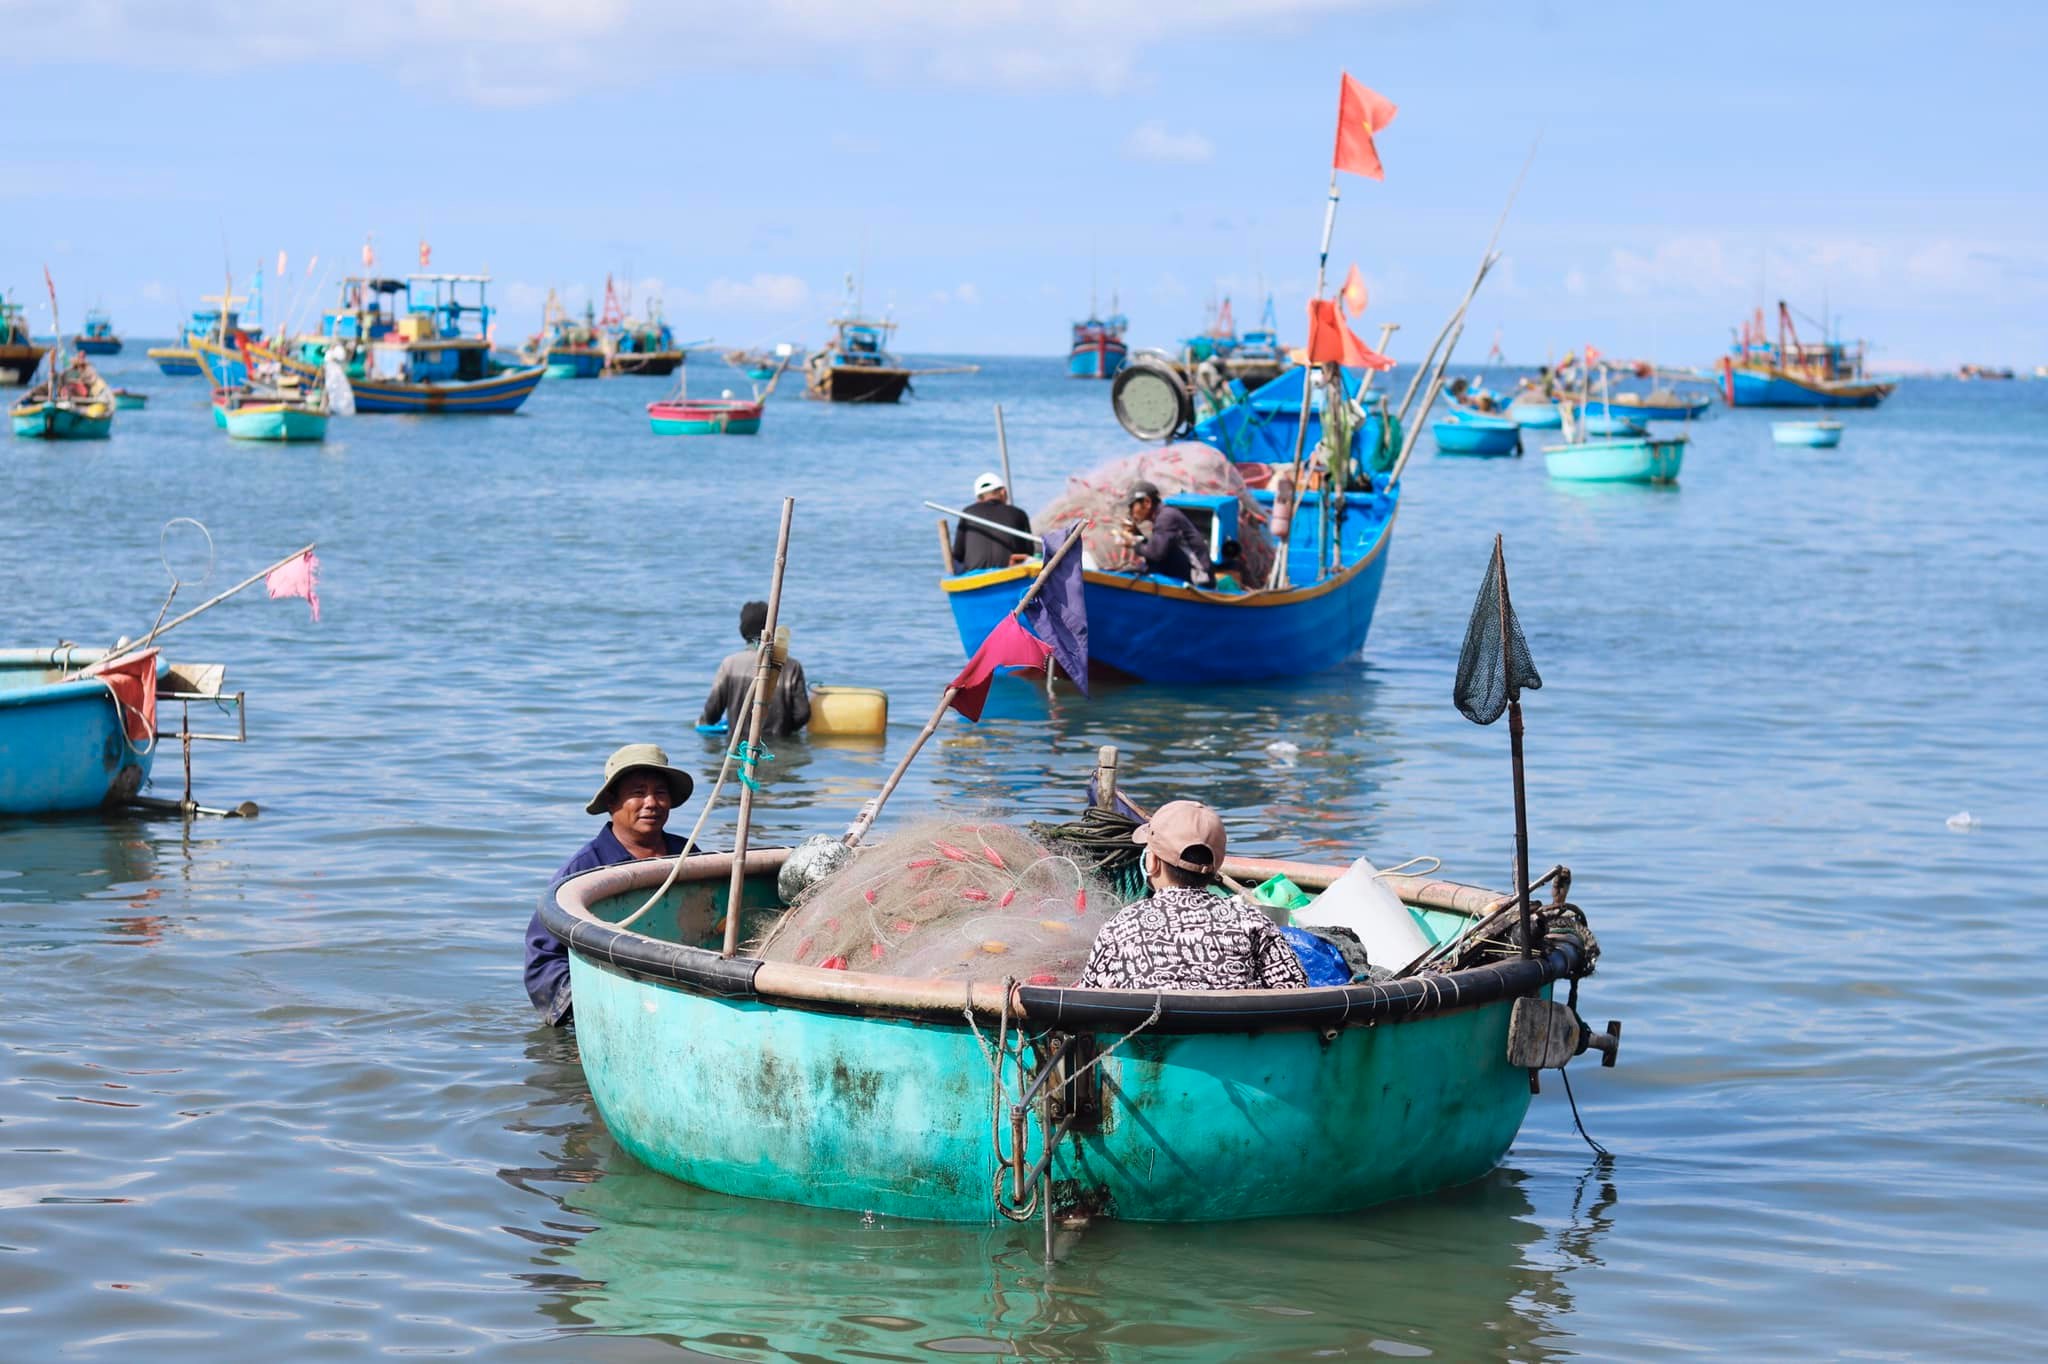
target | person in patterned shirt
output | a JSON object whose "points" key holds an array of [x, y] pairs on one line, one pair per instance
{"points": [[1182, 937]]}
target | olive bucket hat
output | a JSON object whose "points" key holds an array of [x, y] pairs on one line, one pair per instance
{"points": [[637, 757]]}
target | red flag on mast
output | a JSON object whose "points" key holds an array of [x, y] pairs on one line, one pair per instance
{"points": [[1360, 114], [1353, 292], [1330, 342]]}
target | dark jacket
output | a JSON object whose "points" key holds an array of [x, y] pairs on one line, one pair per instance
{"points": [[789, 706], [547, 960], [1175, 549], [975, 549]]}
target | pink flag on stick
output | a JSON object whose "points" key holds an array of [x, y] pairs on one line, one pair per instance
{"points": [[1009, 645], [298, 576]]}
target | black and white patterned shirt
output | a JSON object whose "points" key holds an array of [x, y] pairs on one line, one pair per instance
{"points": [[1182, 939]]}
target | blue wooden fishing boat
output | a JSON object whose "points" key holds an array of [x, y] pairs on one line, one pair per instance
{"points": [[1097, 349], [1537, 414], [418, 345], [1661, 406], [1786, 372], [1471, 433], [876, 1094], [127, 400], [98, 336], [1623, 460], [74, 403], [20, 354], [566, 347], [69, 742], [1160, 629], [222, 325], [1813, 435], [1258, 357]]}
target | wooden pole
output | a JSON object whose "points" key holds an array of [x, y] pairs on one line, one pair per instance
{"points": [[1436, 385], [866, 819], [1003, 449], [161, 631], [764, 670], [1105, 777], [1500, 564], [946, 547]]}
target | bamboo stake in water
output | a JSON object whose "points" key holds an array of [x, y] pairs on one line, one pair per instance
{"points": [[764, 668], [867, 816]]}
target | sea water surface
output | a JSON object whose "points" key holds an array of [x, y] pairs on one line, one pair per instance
{"points": [[270, 1088]]}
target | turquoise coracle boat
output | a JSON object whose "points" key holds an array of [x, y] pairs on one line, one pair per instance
{"points": [[69, 742], [876, 1094], [1625, 460]]}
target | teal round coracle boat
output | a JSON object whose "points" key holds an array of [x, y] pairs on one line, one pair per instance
{"points": [[951, 1102], [1472, 433], [282, 421], [1537, 414], [1622, 460], [1812, 435]]}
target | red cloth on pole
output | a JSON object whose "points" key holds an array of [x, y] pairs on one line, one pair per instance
{"points": [[1353, 292], [1360, 114], [133, 682], [1009, 645], [1330, 342]]}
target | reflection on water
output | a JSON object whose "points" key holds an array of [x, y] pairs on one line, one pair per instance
{"points": [[619, 1249]]}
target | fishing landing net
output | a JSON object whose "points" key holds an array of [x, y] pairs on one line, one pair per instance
{"points": [[949, 899], [1102, 496]]}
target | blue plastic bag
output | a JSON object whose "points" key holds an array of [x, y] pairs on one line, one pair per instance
{"points": [[1325, 964]]}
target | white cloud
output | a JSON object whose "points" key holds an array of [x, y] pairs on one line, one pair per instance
{"points": [[154, 291], [1692, 264], [1575, 281], [1152, 140], [768, 293], [509, 53], [966, 293]]}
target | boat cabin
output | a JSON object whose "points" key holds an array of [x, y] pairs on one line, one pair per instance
{"points": [[422, 329]]}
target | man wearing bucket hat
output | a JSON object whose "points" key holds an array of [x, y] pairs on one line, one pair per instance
{"points": [[639, 791], [1181, 936], [977, 547]]}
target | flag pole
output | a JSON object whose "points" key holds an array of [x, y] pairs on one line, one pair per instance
{"points": [[1500, 564], [1279, 574], [866, 820], [765, 668]]}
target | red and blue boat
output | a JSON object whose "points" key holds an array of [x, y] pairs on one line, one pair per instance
{"points": [[419, 345], [1098, 350], [1786, 372]]}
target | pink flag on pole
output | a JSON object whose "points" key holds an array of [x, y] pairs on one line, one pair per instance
{"points": [[298, 576]]}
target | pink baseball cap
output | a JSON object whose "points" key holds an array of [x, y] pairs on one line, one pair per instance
{"points": [[1185, 834]]}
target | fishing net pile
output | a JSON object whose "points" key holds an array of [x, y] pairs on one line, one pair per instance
{"points": [[1102, 496], [948, 899]]}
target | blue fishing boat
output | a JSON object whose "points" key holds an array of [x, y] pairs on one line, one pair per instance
{"points": [[1336, 549], [1660, 406], [1258, 358], [1812, 435], [221, 325], [73, 403], [98, 336], [566, 347], [1469, 433], [1622, 460], [419, 345], [1536, 413], [1097, 349], [875, 1093], [1787, 372], [71, 738]]}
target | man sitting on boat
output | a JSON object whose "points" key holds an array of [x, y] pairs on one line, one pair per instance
{"points": [[1181, 936], [977, 547], [1165, 538], [789, 708], [639, 791]]}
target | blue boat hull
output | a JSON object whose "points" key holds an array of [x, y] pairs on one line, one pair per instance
{"points": [[96, 345], [62, 747], [1097, 361], [1477, 436], [1159, 630], [1542, 416], [1641, 460], [1751, 388], [1680, 411], [1812, 435]]}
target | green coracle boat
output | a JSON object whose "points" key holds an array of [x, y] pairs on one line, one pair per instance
{"points": [[887, 1095]]}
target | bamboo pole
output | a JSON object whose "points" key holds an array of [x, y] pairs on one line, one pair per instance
{"points": [[210, 602], [764, 673], [1436, 385], [1003, 450], [866, 819], [1500, 562], [946, 547]]}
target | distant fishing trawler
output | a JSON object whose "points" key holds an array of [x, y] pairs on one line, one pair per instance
{"points": [[567, 348], [1759, 372], [221, 325], [420, 344], [636, 345], [1098, 350], [98, 336], [19, 353]]}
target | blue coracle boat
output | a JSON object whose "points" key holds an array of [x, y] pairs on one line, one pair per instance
{"points": [[1477, 434], [63, 744], [1164, 630]]}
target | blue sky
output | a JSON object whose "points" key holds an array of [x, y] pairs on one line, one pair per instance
{"points": [[741, 158]]}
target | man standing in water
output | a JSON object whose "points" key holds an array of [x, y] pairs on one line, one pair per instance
{"points": [[639, 791], [789, 708]]}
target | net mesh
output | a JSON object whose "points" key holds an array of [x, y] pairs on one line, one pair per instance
{"points": [[1102, 497], [949, 900], [1493, 666]]}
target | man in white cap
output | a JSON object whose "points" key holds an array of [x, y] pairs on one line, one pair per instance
{"points": [[1181, 936], [976, 547], [639, 790]]}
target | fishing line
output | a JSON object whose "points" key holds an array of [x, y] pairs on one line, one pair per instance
{"points": [[1598, 1149]]}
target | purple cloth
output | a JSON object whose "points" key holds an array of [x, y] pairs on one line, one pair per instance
{"points": [[1058, 614]]}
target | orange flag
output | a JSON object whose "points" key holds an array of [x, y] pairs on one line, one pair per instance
{"points": [[1330, 342], [1360, 114], [1353, 293]]}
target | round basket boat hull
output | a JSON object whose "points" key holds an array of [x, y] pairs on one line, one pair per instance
{"points": [[1616, 461]]}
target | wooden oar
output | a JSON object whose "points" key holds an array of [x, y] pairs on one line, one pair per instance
{"points": [[866, 820]]}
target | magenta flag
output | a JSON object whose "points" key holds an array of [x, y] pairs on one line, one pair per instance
{"points": [[298, 576]]}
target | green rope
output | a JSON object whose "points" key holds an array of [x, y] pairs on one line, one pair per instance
{"points": [[747, 755]]}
